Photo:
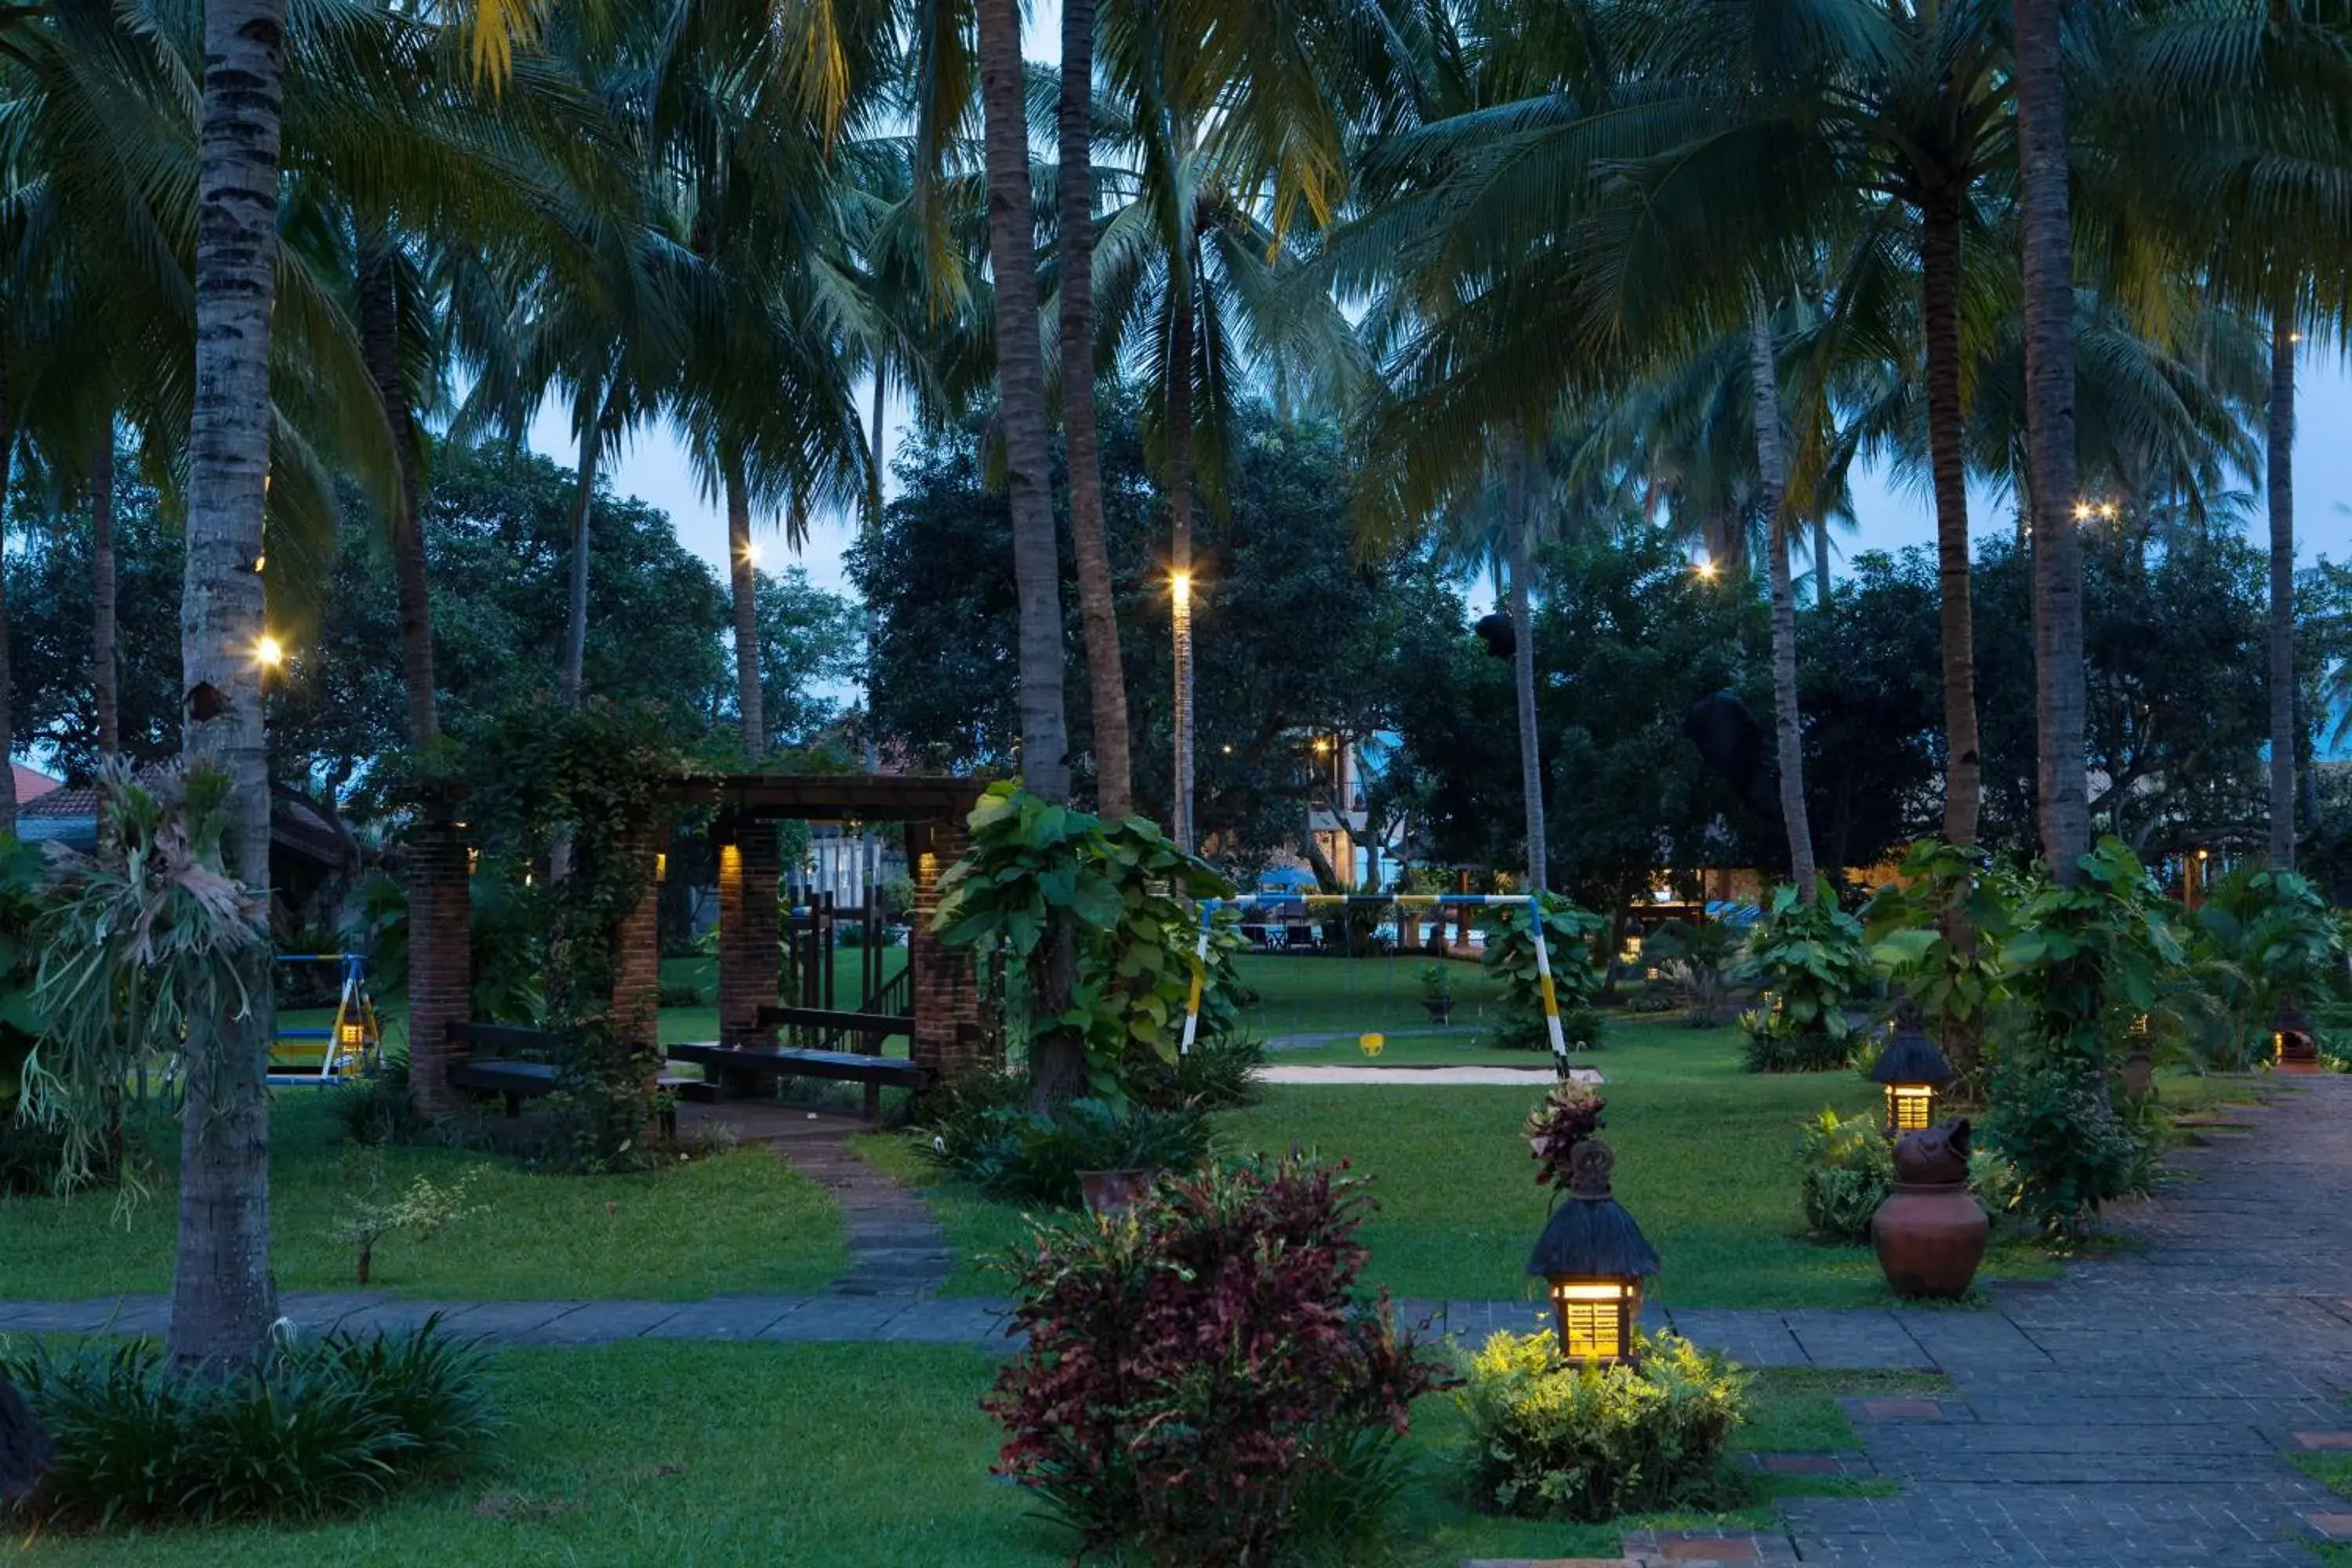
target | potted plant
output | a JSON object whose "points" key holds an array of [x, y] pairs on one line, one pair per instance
{"points": [[1438, 992], [1116, 1153]]}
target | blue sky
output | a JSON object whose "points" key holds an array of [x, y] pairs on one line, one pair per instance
{"points": [[1891, 515]]}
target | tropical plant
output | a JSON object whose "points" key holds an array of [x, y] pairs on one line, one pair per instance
{"points": [[1570, 1114], [1571, 936], [1191, 1372], [2260, 947], [1810, 966], [1034, 868], [1554, 1439], [1697, 956], [311, 1430], [1847, 1170], [1935, 929]]}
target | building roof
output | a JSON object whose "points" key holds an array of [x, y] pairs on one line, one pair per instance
{"points": [[68, 814], [32, 783]]}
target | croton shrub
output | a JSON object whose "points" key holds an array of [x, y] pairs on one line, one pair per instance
{"points": [[1203, 1380]]}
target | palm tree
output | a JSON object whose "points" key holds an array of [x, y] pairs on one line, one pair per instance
{"points": [[223, 1296], [1772, 470], [1074, 260], [2049, 288]]}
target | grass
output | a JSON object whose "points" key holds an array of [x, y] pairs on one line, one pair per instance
{"points": [[847, 1455], [679, 1024], [738, 1221], [2334, 1471], [1351, 996]]}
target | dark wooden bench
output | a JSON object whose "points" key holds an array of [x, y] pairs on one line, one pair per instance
{"points": [[518, 1077], [738, 1071]]}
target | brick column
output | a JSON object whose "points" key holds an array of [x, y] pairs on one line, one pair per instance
{"points": [[748, 959], [946, 996], [440, 959], [637, 977]]}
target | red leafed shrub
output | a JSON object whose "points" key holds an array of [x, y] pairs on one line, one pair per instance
{"points": [[1203, 1377], [1570, 1114]]}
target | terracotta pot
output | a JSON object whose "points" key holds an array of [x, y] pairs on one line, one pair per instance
{"points": [[1114, 1192], [1929, 1238], [1439, 1012]]}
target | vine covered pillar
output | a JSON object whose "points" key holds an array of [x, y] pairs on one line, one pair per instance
{"points": [[636, 971], [945, 1037], [748, 867], [440, 957]]}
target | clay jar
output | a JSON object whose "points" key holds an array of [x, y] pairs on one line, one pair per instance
{"points": [[1930, 1235]]}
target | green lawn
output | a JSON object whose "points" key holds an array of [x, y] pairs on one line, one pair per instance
{"points": [[849, 1456], [1705, 1162], [1352, 996], [735, 1222]]}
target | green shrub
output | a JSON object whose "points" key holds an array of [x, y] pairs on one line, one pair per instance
{"points": [[317, 1429], [2070, 1153], [1219, 1073], [1848, 1171], [1571, 937], [1554, 1440], [1009, 1152], [374, 1112], [1809, 963]]}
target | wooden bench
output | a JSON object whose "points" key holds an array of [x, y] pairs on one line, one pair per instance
{"points": [[515, 1079], [732, 1069]]}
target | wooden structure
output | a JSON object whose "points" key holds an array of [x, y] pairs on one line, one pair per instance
{"points": [[775, 968], [776, 972]]}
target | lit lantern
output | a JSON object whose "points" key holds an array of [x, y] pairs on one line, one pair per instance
{"points": [[1913, 1069], [1595, 1258], [661, 865], [2294, 1047], [349, 1035]]}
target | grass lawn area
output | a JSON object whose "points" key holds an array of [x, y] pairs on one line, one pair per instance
{"points": [[656, 1235], [845, 1455], [1351, 996]]}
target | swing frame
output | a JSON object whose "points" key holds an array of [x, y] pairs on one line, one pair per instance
{"points": [[1209, 908], [352, 1044]]}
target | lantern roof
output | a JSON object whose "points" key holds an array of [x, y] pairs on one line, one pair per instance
{"points": [[1591, 1236], [1910, 1056]]}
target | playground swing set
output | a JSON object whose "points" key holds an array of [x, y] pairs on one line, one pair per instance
{"points": [[352, 1046], [1372, 1042]]}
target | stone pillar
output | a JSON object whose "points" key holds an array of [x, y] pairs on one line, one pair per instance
{"points": [[748, 962], [440, 959], [636, 976], [945, 995]]}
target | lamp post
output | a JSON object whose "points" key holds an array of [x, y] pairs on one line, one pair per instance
{"points": [[1594, 1259], [1912, 1069], [1180, 595]]}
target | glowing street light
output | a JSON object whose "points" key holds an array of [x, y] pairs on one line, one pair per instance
{"points": [[1704, 564], [269, 652]]}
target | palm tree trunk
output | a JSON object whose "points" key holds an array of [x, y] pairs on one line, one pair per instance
{"points": [[2285, 746], [1821, 563], [103, 681], [1105, 680], [1056, 1057], [1939, 310], [744, 583], [1179, 395], [1772, 470], [575, 623], [872, 847], [223, 1296], [8, 715], [379, 303], [1523, 674], [2049, 284]]}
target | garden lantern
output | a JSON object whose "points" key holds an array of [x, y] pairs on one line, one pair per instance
{"points": [[2294, 1046], [1595, 1258], [1913, 1069]]}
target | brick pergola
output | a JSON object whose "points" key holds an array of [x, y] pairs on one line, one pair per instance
{"points": [[945, 999]]}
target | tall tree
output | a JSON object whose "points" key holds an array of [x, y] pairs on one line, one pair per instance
{"points": [[1521, 526], [2049, 286], [1074, 260], [2279, 494], [104, 686], [1787, 726], [223, 1296]]}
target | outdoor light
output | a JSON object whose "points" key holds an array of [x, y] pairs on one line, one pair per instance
{"points": [[473, 861], [1703, 565], [1595, 1258], [258, 563], [750, 553], [1180, 585], [2292, 1045], [269, 652], [2082, 511], [350, 1034], [1321, 745], [1913, 1069], [661, 865]]}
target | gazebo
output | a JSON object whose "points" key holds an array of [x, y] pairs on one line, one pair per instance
{"points": [[941, 1012]]}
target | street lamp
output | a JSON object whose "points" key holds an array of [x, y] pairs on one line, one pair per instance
{"points": [[1912, 1069], [269, 652], [1180, 595]]}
